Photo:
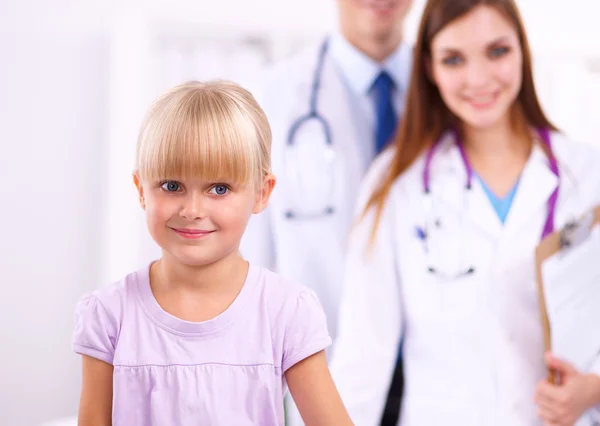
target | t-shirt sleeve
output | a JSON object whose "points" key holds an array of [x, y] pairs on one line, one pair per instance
{"points": [[95, 330], [306, 332]]}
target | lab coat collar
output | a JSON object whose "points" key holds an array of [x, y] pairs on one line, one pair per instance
{"points": [[360, 71], [536, 184]]}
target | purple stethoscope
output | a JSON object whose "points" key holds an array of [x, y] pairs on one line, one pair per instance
{"points": [[424, 233]]}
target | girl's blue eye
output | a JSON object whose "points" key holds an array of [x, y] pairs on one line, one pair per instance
{"points": [[170, 186], [219, 189]]}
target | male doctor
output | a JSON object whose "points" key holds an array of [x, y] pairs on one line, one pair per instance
{"points": [[353, 82]]}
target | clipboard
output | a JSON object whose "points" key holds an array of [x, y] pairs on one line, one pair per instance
{"points": [[569, 237]]}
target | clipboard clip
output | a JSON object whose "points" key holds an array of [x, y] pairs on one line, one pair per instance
{"points": [[576, 232]]}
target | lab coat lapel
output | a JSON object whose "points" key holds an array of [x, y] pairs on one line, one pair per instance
{"points": [[530, 204], [449, 179], [481, 211]]}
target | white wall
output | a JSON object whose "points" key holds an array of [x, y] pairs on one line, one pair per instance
{"points": [[52, 108], [55, 107]]}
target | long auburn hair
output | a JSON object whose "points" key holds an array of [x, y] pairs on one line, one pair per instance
{"points": [[426, 117]]}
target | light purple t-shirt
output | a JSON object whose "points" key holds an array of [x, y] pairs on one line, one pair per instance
{"points": [[226, 371]]}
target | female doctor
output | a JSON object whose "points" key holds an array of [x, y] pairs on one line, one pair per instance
{"points": [[441, 258]]}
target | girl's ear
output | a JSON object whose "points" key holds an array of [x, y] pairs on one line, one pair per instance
{"points": [[264, 193], [138, 184]]}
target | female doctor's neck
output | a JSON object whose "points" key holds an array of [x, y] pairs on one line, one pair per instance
{"points": [[498, 154]]}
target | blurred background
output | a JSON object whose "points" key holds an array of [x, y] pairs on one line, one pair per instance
{"points": [[75, 80]]}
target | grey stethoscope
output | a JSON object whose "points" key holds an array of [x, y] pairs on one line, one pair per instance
{"points": [[433, 220], [313, 117]]}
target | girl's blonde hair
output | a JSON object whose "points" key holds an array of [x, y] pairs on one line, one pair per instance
{"points": [[213, 131]]}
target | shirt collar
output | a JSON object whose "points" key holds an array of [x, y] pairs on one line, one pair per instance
{"points": [[360, 71]]}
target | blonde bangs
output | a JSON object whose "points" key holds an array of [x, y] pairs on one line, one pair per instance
{"points": [[210, 131]]}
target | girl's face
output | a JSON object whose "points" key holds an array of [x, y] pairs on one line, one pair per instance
{"points": [[476, 64], [199, 222]]}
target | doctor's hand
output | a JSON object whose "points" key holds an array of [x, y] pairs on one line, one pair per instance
{"points": [[563, 404]]}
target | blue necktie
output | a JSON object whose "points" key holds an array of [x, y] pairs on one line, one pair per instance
{"points": [[384, 109]]}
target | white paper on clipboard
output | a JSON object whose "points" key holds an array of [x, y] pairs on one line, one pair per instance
{"points": [[571, 280], [572, 290]]}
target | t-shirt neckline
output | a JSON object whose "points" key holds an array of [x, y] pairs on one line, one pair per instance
{"points": [[180, 326]]}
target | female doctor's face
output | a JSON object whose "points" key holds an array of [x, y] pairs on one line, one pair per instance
{"points": [[476, 64]]}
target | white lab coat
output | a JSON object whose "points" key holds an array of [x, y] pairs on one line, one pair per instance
{"points": [[473, 347], [309, 252]]}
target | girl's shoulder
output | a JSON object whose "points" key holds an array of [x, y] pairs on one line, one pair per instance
{"points": [[99, 313], [114, 296], [297, 319], [282, 293]]}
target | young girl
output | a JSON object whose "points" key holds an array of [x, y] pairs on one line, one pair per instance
{"points": [[200, 337], [441, 260]]}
